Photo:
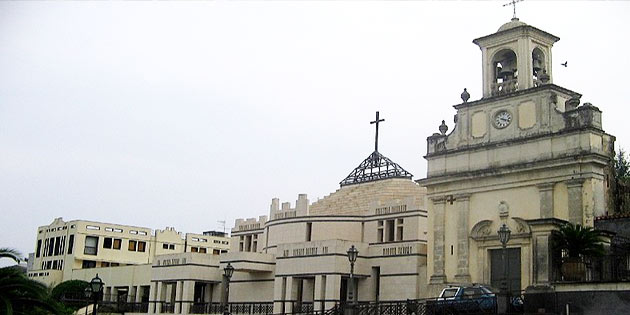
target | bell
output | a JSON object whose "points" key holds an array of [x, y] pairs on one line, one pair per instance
{"points": [[508, 66], [538, 65]]}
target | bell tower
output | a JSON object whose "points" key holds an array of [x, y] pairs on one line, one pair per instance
{"points": [[516, 57]]}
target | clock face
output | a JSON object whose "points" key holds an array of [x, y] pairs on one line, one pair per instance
{"points": [[502, 119]]}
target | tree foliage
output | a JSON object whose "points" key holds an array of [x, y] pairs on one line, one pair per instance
{"points": [[578, 241], [71, 294], [622, 166], [11, 254], [21, 295]]}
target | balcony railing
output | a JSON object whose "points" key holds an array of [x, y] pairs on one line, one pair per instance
{"points": [[505, 87]]}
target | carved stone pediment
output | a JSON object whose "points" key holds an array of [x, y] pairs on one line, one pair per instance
{"points": [[481, 230], [522, 227]]}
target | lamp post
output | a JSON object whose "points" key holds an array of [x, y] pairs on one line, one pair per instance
{"points": [[504, 237], [228, 271], [353, 252], [95, 289]]}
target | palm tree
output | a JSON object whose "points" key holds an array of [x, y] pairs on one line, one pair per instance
{"points": [[580, 240], [10, 253], [21, 295]]}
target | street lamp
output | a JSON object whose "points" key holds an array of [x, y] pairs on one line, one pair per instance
{"points": [[95, 288], [353, 252], [228, 271], [504, 237]]}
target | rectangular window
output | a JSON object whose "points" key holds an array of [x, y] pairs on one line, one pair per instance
{"points": [[62, 245], [108, 229], [104, 264], [117, 243], [142, 246], [39, 248], [54, 264], [133, 232], [142, 233], [45, 248], [389, 229], [51, 246], [215, 252], [309, 231], [165, 246], [91, 245], [107, 242], [193, 249], [171, 246], [70, 244], [57, 245], [118, 230], [92, 227], [202, 250], [88, 264], [132, 246], [379, 232], [114, 264]]}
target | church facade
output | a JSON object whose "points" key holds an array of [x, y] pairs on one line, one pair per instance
{"points": [[526, 155]]}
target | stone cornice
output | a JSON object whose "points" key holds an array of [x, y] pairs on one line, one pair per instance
{"points": [[492, 145], [513, 168], [517, 93]]}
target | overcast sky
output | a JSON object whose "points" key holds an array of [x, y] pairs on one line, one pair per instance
{"points": [[185, 113]]}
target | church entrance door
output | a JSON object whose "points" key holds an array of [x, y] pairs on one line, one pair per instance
{"points": [[513, 269]]}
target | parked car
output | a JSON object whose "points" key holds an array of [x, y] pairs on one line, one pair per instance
{"points": [[472, 299]]}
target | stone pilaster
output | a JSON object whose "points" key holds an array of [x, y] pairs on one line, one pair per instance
{"points": [[278, 295], [187, 297], [333, 287], [546, 200], [319, 291], [463, 209], [576, 211], [542, 259], [439, 208]]}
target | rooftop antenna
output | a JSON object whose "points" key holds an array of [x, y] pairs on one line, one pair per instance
{"points": [[222, 224], [513, 3]]}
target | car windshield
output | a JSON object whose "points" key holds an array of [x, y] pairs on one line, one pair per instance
{"points": [[449, 293]]}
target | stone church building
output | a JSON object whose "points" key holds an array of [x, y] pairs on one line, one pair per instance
{"points": [[526, 155]]}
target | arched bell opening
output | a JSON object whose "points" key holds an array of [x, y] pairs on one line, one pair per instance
{"points": [[539, 72], [505, 72]]}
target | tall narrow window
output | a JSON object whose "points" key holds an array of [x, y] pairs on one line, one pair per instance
{"points": [[39, 248], [309, 231], [399, 230], [379, 232], [57, 245], [132, 245], [389, 229], [70, 244], [91, 245], [255, 243], [51, 246], [116, 244]]}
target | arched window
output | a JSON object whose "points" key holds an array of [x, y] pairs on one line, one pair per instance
{"points": [[539, 72], [505, 72]]}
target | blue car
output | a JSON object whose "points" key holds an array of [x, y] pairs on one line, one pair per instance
{"points": [[474, 299]]}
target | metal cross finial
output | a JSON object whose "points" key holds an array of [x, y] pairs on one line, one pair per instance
{"points": [[513, 3], [377, 121]]}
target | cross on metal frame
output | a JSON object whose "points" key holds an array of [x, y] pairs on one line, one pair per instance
{"points": [[377, 121], [450, 199], [513, 3]]}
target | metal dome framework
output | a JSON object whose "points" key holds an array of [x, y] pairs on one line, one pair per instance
{"points": [[375, 167]]}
